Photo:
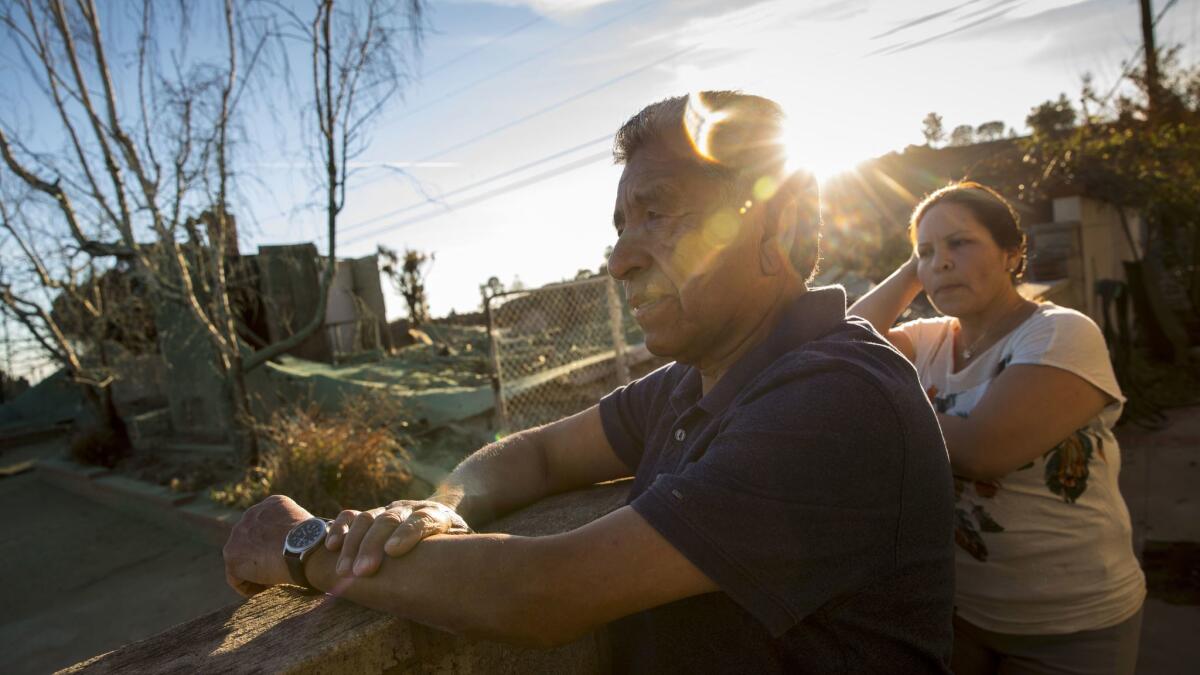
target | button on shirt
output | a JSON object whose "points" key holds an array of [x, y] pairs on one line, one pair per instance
{"points": [[811, 484]]}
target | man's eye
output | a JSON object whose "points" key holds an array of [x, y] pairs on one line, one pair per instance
{"points": [[924, 253], [654, 215]]}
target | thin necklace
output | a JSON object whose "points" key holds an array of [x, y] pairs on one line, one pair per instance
{"points": [[969, 350]]}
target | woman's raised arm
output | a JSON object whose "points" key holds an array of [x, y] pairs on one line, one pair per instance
{"points": [[1027, 410], [882, 304]]}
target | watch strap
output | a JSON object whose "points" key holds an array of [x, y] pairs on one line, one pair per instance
{"points": [[295, 562]]}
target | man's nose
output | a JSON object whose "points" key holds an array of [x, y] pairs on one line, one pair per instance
{"points": [[627, 257]]}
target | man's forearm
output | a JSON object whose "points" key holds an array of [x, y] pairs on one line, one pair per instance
{"points": [[498, 478], [482, 586]]}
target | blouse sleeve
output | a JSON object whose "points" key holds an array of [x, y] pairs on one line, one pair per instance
{"points": [[1067, 339], [926, 335]]}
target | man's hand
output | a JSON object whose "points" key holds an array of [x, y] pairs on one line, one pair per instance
{"points": [[364, 536], [254, 552]]}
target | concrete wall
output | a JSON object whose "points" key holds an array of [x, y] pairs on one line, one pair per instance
{"points": [[356, 296], [1091, 241], [1103, 244]]}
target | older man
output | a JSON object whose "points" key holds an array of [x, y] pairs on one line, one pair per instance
{"points": [[791, 503]]}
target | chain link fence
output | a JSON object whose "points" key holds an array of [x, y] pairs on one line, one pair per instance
{"points": [[557, 349]]}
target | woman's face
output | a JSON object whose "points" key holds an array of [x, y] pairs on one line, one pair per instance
{"points": [[961, 267]]}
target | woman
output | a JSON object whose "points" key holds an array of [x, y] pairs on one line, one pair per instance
{"points": [[1046, 576]]}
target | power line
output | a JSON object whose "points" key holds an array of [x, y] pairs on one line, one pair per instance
{"points": [[522, 61], [475, 50], [525, 118], [479, 183], [557, 104], [538, 178], [508, 68], [1127, 70]]}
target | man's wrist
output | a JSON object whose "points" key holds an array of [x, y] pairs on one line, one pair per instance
{"points": [[453, 499], [320, 568], [302, 541]]}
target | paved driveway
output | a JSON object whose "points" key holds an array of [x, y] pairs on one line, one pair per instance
{"points": [[81, 579], [1160, 475]]}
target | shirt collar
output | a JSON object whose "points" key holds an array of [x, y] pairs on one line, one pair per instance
{"points": [[810, 316]]}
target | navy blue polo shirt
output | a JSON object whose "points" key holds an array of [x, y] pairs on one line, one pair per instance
{"points": [[812, 485]]}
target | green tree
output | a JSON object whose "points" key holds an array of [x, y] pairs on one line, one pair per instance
{"points": [[963, 134], [1134, 161], [1051, 117], [989, 131], [932, 129]]}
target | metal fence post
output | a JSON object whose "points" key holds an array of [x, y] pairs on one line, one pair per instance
{"points": [[615, 319], [501, 418]]}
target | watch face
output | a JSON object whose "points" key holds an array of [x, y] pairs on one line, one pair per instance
{"points": [[304, 535]]}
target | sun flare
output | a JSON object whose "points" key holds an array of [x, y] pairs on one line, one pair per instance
{"points": [[815, 149]]}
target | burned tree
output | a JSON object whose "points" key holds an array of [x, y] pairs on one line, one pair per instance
{"points": [[144, 171], [408, 275]]}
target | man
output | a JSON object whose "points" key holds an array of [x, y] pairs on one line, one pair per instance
{"points": [[791, 508]]}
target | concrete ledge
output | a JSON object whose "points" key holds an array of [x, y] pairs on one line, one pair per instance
{"points": [[284, 630], [195, 514], [16, 436]]}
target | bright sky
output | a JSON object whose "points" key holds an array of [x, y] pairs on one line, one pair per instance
{"points": [[532, 90], [510, 82]]}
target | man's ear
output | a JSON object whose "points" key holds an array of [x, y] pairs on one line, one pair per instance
{"points": [[778, 235]]}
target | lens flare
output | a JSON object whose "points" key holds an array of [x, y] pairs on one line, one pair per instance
{"points": [[815, 150], [700, 122]]}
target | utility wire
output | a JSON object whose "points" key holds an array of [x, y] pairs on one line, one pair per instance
{"points": [[1129, 66], [522, 61], [525, 118], [479, 183], [508, 68], [556, 105], [475, 50], [538, 178]]}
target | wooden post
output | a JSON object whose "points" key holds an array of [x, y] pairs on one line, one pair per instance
{"points": [[1153, 90], [501, 417], [615, 320]]}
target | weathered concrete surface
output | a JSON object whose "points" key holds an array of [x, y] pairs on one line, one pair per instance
{"points": [[1160, 480], [285, 631], [81, 579], [184, 513]]}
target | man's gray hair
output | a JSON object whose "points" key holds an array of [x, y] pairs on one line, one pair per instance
{"points": [[738, 138]]}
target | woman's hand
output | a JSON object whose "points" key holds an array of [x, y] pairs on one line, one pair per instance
{"points": [[365, 536], [884, 303]]}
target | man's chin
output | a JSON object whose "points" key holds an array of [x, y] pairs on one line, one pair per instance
{"points": [[664, 346]]}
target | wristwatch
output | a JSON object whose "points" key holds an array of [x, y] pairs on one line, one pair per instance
{"points": [[299, 545]]}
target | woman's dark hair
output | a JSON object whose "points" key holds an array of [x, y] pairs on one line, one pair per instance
{"points": [[992, 211]]}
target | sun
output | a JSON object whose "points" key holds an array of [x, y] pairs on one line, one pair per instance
{"points": [[819, 149]]}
